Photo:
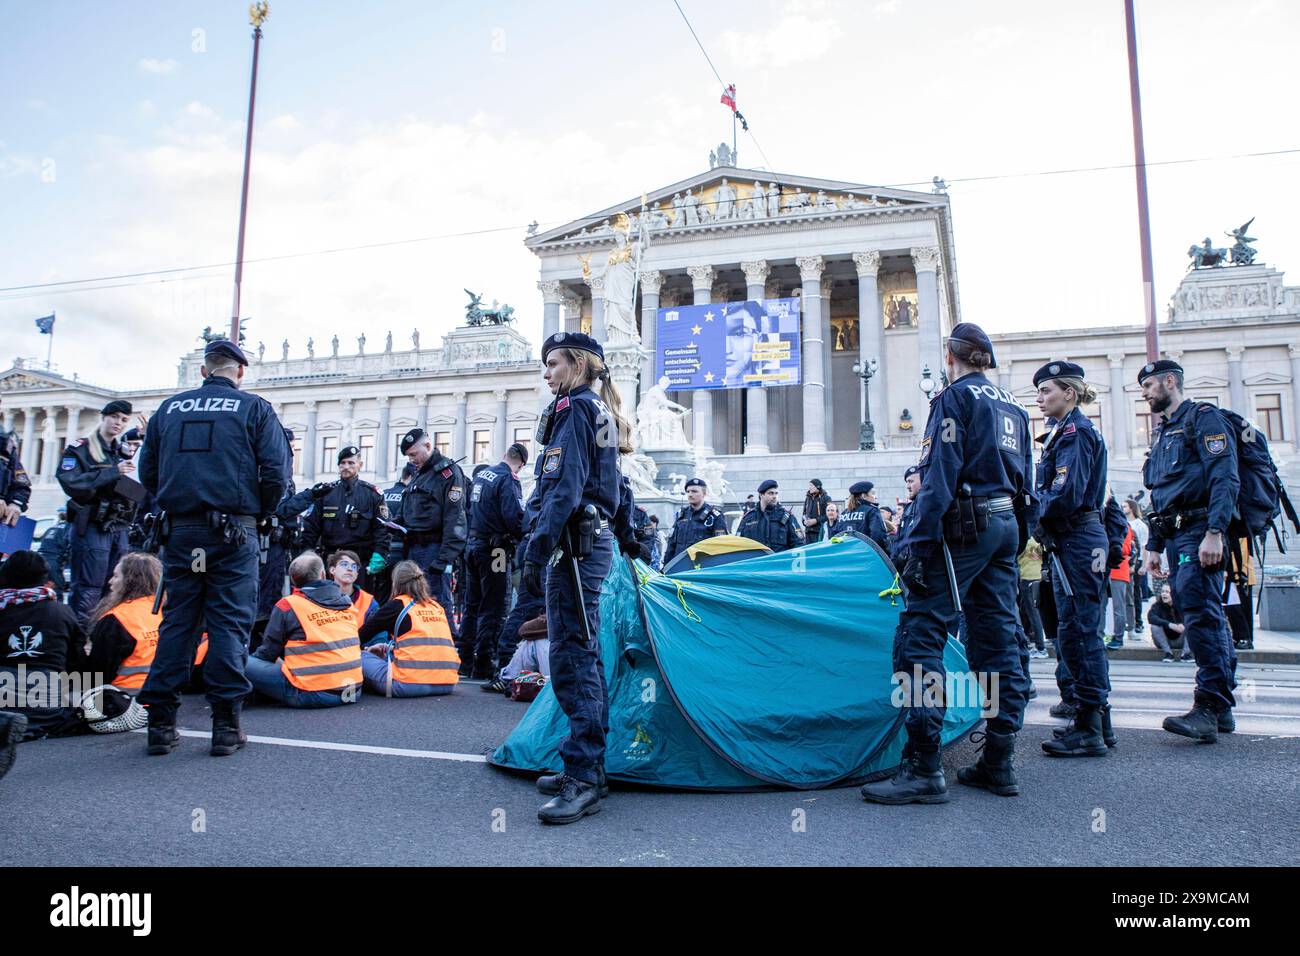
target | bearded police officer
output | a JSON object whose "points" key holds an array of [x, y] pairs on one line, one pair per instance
{"points": [[215, 458], [1194, 482], [349, 515], [975, 464], [907, 516], [433, 513], [695, 522], [770, 523]]}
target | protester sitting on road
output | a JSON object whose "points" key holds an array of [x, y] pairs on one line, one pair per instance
{"points": [[310, 655], [343, 568], [533, 654], [417, 656], [1167, 627], [124, 627]]}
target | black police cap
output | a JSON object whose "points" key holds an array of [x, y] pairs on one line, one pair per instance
{"points": [[349, 451], [696, 483], [911, 470], [861, 487], [1161, 367], [972, 334], [572, 340], [1057, 370], [226, 348], [410, 438], [116, 407], [767, 486]]}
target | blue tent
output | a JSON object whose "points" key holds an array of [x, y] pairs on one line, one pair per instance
{"points": [[773, 671]]}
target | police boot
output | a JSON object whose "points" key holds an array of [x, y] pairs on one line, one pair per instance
{"points": [[1107, 731], [484, 668], [1062, 709], [993, 771], [575, 800], [226, 735], [1227, 722], [1082, 739], [919, 779], [551, 782], [163, 736], [1200, 723]]}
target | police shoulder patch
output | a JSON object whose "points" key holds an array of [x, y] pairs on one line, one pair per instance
{"points": [[69, 463], [1216, 444], [551, 462], [454, 493], [561, 404], [446, 473], [1059, 481], [925, 451]]}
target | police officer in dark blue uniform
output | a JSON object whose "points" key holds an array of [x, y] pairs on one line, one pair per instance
{"points": [[15, 485], [433, 513], [912, 481], [976, 472], [349, 515], [275, 533], [91, 473], [695, 522], [770, 523], [496, 515], [1071, 493], [214, 457], [862, 515], [578, 492], [383, 581], [1194, 482]]}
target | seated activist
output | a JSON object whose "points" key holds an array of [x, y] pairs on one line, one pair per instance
{"points": [[532, 655], [310, 655], [38, 636], [415, 655], [343, 568]]}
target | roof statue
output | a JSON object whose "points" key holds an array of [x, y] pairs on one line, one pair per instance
{"points": [[476, 315], [1243, 254], [1207, 255]]}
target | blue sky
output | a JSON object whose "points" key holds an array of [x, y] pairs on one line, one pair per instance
{"points": [[121, 144]]}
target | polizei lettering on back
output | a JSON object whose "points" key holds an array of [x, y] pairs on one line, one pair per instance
{"points": [[204, 405]]}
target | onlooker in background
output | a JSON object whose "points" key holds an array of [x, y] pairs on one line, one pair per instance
{"points": [[831, 526], [1121, 625], [1241, 613], [344, 567], [1140, 590], [1167, 628], [750, 503], [891, 523], [657, 545], [418, 657], [56, 549], [1031, 580], [814, 510]]}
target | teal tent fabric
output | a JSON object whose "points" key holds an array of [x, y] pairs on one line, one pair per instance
{"points": [[774, 671]]}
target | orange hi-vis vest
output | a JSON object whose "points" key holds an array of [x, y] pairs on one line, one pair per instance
{"points": [[137, 618], [361, 606], [329, 656], [425, 654]]}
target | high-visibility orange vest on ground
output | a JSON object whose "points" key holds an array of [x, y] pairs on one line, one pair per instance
{"points": [[329, 656], [137, 618], [425, 654], [361, 606]]}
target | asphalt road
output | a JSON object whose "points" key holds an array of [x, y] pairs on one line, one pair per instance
{"points": [[404, 782]]}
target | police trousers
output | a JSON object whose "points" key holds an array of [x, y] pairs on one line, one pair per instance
{"points": [[485, 609], [426, 555], [1082, 555], [1198, 594], [987, 580], [210, 585], [95, 553], [577, 670]]}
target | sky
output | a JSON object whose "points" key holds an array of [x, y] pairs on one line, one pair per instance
{"points": [[443, 129]]}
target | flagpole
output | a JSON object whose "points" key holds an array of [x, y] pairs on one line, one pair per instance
{"points": [[256, 14], [49, 351]]}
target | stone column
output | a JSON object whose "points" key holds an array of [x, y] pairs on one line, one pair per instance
{"points": [[458, 436], [502, 438], [828, 354], [1121, 412], [651, 284], [309, 448], [74, 423], [1292, 428], [50, 458], [871, 339], [383, 449], [1237, 387], [597, 284], [550, 289], [756, 398], [572, 311], [702, 398], [9, 419], [29, 435], [814, 400], [422, 414], [925, 261], [348, 428], [1004, 375]]}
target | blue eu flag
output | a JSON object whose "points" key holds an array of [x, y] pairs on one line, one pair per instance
{"points": [[46, 324]]}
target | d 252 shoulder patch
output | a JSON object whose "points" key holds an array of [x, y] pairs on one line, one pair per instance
{"points": [[551, 462], [1058, 482], [1216, 444], [925, 452], [455, 494]]}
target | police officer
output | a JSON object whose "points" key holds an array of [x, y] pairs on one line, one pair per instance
{"points": [[695, 522], [276, 534], [578, 492], [15, 485], [495, 528], [214, 457], [912, 481], [433, 513], [770, 523], [862, 514], [383, 581], [1194, 482], [56, 549], [99, 513], [1071, 493], [349, 515], [975, 463]]}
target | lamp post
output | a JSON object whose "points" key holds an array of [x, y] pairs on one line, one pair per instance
{"points": [[257, 13], [867, 430], [928, 384]]}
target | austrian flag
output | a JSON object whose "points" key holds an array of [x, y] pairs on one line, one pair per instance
{"points": [[729, 97]]}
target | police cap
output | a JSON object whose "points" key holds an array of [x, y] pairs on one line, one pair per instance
{"points": [[116, 407], [410, 438], [572, 340], [1057, 370], [911, 470], [767, 486], [226, 349], [349, 451], [1158, 368], [861, 487], [696, 483], [972, 334]]}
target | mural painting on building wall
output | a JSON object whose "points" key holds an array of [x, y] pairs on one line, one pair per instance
{"points": [[899, 310], [844, 335]]}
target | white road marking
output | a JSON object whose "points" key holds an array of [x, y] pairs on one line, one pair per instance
{"points": [[352, 748]]}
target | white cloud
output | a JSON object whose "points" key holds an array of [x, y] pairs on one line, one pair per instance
{"points": [[158, 67], [802, 32], [887, 8]]}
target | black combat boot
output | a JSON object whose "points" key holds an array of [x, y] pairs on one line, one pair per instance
{"points": [[575, 800], [550, 783], [1083, 738], [919, 779], [1062, 709], [484, 669], [163, 736], [993, 771], [226, 735], [12, 728], [1107, 731], [1200, 723], [1227, 722]]}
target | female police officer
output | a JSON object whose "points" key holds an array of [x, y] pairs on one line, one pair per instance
{"points": [[975, 471], [1071, 492], [583, 434]]}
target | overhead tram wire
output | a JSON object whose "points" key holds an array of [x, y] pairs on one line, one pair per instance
{"points": [[18, 292]]}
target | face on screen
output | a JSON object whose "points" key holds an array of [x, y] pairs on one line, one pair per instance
{"points": [[742, 333]]}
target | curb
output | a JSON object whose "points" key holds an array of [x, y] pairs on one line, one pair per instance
{"points": [[1154, 654]]}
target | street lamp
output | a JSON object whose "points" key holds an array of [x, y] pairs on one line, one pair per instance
{"points": [[928, 384], [866, 431]]}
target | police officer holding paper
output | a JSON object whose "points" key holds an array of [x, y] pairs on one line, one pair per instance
{"points": [[695, 522], [349, 515], [15, 485], [1194, 481], [961, 551], [433, 513], [214, 457]]}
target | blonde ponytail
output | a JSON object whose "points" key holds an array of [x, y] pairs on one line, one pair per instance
{"points": [[595, 371]]}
